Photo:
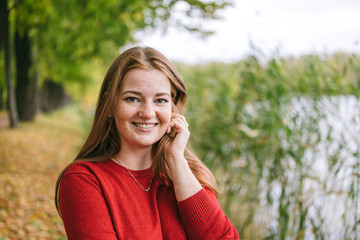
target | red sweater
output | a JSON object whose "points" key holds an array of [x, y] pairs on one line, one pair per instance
{"points": [[102, 201]]}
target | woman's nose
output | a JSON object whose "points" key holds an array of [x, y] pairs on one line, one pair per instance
{"points": [[147, 111]]}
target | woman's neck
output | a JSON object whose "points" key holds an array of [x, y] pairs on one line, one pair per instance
{"points": [[135, 159]]}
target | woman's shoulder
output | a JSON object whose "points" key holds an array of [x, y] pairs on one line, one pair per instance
{"points": [[85, 166]]}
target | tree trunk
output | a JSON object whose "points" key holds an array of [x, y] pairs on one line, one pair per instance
{"points": [[1, 98], [4, 12], [25, 85], [35, 76], [53, 96]]}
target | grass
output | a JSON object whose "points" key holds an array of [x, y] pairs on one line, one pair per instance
{"points": [[31, 157]]}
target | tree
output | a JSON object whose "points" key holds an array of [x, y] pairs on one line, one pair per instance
{"points": [[68, 34], [5, 43], [80, 30], [30, 16]]}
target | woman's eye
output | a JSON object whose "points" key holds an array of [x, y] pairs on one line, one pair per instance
{"points": [[161, 100], [131, 99]]}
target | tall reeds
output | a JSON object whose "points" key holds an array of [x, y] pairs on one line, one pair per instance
{"points": [[282, 136]]}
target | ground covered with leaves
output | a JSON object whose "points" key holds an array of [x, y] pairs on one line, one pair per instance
{"points": [[31, 158]]}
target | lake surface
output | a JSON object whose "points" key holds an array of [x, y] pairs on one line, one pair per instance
{"points": [[329, 169]]}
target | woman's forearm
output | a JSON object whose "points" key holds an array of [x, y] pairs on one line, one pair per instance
{"points": [[185, 183]]}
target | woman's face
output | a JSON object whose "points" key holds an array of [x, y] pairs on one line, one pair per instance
{"points": [[143, 110]]}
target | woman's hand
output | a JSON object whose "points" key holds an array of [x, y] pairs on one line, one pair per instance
{"points": [[179, 128], [185, 183]]}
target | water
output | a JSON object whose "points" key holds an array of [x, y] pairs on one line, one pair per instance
{"points": [[329, 173]]}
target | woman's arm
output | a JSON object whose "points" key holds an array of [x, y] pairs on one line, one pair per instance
{"points": [[83, 208], [203, 217], [199, 209], [185, 183]]}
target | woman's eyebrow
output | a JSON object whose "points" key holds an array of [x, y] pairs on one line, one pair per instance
{"points": [[131, 92], [163, 94], [139, 93]]}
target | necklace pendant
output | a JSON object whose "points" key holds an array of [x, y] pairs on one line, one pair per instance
{"points": [[146, 190]]}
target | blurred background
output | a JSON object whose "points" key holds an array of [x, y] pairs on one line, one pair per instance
{"points": [[274, 104]]}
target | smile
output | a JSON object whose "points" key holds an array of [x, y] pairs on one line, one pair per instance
{"points": [[145, 126]]}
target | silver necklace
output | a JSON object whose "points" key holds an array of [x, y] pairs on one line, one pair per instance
{"points": [[146, 190]]}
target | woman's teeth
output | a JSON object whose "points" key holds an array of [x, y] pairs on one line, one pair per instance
{"points": [[144, 125]]}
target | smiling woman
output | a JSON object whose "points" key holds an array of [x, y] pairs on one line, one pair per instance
{"points": [[143, 110], [135, 177]]}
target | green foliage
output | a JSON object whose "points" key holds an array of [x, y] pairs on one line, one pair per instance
{"points": [[30, 14], [265, 128], [68, 35], [77, 32], [160, 13]]}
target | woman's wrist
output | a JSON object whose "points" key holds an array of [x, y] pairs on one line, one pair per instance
{"points": [[176, 161], [185, 183]]}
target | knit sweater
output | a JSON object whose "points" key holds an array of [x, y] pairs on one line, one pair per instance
{"points": [[103, 201]]}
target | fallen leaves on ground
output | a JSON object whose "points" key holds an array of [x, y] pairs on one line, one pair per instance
{"points": [[31, 158]]}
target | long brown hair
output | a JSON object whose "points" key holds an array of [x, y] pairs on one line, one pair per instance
{"points": [[103, 141]]}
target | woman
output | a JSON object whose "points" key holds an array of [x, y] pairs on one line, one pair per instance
{"points": [[135, 177]]}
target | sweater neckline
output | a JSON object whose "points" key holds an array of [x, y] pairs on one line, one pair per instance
{"points": [[136, 173]]}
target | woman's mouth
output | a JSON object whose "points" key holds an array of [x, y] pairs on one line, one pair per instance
{"points": [[145, 125]]}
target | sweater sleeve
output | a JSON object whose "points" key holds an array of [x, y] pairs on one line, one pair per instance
{"points": [[203, 217], [83, 208]]}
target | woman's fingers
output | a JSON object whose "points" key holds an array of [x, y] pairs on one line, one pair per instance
{"points": [[179, 122], [180, 134]]}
